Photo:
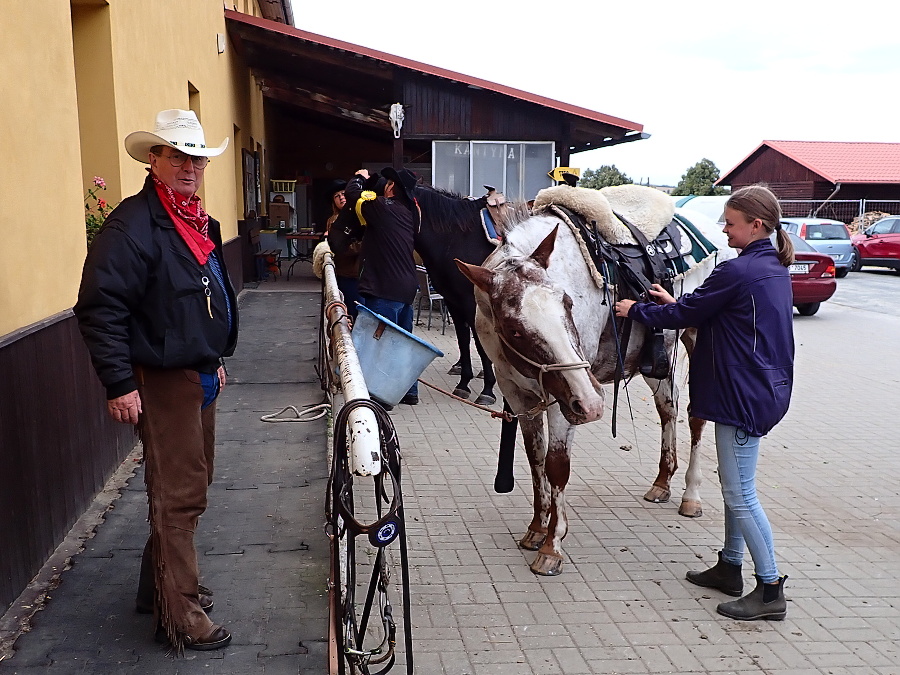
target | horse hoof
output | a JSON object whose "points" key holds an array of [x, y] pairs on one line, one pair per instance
{"points": [[658, 495], [462, 393], [547, 565], [455, 370], [486, 400], [532, 540], [691, 508]]}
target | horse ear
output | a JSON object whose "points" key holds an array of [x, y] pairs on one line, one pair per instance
{"points": [[542, 253], [482, 277]]}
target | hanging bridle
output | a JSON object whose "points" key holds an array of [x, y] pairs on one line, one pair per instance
{"points": [[543, 404]]}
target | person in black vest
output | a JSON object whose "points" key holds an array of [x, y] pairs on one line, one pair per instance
{"points": [[158, 313], [387, 280]]}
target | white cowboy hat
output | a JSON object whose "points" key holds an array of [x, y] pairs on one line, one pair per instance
{"points": [[178, 129]]}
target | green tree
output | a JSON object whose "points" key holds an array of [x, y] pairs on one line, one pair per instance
{"points": [[603, 177], [699, 180]]}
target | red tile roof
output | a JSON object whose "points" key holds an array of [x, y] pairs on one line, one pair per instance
{"points": [[843, 162]]}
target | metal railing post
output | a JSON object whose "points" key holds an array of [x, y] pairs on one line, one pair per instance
{"points": [[362, 433]]}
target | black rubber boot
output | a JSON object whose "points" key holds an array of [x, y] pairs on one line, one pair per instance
{"points": [[723, 576], [766, 601]]}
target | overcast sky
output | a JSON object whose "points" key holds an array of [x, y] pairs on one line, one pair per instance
{"points": [[707, 80]]}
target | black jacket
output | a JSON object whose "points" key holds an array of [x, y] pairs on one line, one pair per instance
{"points": [[388, 269], [142, 299]]}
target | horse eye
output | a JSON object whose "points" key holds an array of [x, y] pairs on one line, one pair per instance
{"points": [[516, 334]]}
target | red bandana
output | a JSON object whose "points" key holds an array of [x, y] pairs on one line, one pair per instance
{"points": [[191, 221]]}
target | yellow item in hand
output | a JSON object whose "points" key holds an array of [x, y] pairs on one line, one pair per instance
{"points": [[366, 196]]}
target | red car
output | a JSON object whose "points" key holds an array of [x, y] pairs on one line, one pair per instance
{"points": [[812, 277], [879, 245]]}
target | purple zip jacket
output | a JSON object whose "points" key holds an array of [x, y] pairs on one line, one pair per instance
{"points": [[742, 369]]}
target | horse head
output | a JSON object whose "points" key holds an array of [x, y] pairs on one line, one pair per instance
{"points": [[532, 319]]}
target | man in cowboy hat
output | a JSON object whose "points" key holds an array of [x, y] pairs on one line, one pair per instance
{"points": [[387, 280], [158, 313]]}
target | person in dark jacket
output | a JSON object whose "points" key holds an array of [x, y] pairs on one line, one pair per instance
{"points": [[387, 280], [158, 314], [741, 375], [346, 256]]}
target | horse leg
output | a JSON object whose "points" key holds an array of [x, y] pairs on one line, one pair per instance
{"points": [[534, 441], [465, 358], [486, 397], [664, 392], [691, 505], [549, 559]]}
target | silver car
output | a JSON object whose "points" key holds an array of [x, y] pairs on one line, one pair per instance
{"points": [[830, 237]]}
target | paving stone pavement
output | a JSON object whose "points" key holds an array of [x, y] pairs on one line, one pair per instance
{"points": [[827, 478], [261, 543]]}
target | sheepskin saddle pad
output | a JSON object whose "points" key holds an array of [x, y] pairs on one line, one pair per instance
{"points": [[649, 209]]}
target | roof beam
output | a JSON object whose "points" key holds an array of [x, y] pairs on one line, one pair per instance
{"points": [[317, 101]]}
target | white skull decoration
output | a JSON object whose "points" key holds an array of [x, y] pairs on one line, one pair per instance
{"points": [[396, 116]]}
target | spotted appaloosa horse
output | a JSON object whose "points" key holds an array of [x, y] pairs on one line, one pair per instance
{"points": [[549, 331]]}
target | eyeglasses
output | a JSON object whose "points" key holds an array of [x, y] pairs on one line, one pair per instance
{"points": [[177, 159]]}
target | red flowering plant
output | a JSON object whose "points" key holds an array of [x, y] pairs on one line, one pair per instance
{"points": [[95, 209]]}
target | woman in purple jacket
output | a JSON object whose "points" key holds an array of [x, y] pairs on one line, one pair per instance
{"points": [[741, 375]]}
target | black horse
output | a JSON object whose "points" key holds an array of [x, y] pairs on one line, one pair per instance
{"points": [[452, 228]]}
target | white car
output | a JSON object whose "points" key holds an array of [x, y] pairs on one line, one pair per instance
{"points": [[711, 206], [830, 237]]}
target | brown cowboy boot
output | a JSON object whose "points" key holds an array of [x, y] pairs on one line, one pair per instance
{"points": [[723, 576]]}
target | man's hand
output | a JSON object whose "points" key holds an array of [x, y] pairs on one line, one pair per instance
{"points": [[125, 409], [364, 173], [221, 373]]}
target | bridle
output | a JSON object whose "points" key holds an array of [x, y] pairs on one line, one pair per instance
{"points": [[543, 404]]}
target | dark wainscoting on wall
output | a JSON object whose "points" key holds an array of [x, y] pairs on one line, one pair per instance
{"points": [[58, 446], [234, 261]]}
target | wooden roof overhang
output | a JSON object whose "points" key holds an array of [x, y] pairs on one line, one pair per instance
{"points": [[351, 88]]}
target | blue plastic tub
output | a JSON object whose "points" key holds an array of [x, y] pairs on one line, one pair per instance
{"points": [[391, 358]]}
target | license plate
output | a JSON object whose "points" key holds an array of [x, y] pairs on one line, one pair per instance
{"points": [[799, 268]]}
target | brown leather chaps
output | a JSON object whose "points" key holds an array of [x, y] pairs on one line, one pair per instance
{"points": [[179, 441]]}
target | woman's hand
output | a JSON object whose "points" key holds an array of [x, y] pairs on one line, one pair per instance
{"points": [[661, 295], [622, 307]]}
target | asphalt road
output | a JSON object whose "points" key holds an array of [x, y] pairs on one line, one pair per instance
{"points": [[874, 289]]}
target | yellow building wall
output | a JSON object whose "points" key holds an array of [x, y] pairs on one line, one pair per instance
{"points": [[41, 247], [78, 76]]}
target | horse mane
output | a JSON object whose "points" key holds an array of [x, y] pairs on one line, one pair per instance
{"points": [[447, 211], [511, 215]]}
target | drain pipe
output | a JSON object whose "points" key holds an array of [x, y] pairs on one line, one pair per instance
{"points": [[837, 188]]}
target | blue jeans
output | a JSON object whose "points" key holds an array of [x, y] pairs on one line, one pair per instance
{"points": [[745, 520], [400, 313], [349, 288]]}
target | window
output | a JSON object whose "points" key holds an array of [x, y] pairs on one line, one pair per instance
{"points": [[518, 169], [883, 226], [826, 231]]}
